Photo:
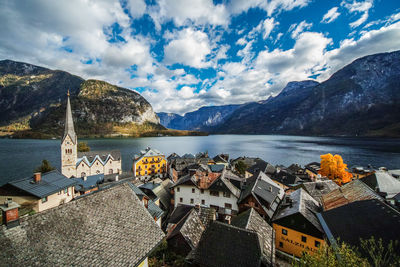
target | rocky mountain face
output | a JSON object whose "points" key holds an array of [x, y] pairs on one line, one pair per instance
{"points": [[33, 99], [363, 98], [203, 119]]}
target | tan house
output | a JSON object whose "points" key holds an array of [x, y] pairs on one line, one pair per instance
{"points": [[40, 191]]}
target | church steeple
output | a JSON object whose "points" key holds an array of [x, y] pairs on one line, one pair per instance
{"points": [[69, 123], [69, 146]]}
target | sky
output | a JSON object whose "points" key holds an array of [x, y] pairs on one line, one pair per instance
{"points": [[185, 54]]}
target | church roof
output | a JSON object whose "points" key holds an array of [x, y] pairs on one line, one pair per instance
{"points": [[69, 123], [103, 156]]}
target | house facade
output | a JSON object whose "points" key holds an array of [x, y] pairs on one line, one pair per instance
{"points": [[74, 164], [40, 192], [220, 194], [150, 163], [296, 224]]}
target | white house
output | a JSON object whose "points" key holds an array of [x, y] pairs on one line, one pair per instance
{"points": [[220, 194]]}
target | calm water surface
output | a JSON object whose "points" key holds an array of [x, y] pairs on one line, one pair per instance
{"points": [[18, 158]]}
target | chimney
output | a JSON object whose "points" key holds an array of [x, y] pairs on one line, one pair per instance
{"points": [[10, 213], [37, 176]]}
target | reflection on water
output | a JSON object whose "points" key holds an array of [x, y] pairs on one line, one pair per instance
{"points": [[18, 158]]}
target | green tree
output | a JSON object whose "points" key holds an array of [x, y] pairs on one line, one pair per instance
{"points": [[241, 167], [163, 256], [83, 147], [379, 254], [329, 256], [45, 167]]}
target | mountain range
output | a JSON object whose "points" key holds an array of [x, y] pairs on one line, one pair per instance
{"points": [[361, 99], [33, 99]]}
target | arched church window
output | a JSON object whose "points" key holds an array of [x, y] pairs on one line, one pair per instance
{"points": [[83, 174], [98, 172], [110, 171]]}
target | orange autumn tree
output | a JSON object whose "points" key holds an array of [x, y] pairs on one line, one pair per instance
{"points": [[334, 168]]}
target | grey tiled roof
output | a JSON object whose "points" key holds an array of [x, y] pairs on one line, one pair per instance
{"points": [[217, 167], [190, 227], [251, 220], [319, 188], [224, 245], [106, 228], [163, 193], [263, 188], [154, 210], [115, 154], [50, 183], [383, 181], [300, 202], [89, 183]]}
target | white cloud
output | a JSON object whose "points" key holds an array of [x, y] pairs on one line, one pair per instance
{"points": [[136, 8], [331, 15], [272, 6], [241, 41], [385, 39], [358, 7], [299, 28], [198, 11], [268, 26], [189, 47]]}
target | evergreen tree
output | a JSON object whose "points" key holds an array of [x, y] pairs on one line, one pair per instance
{"points": [[45, 167]]}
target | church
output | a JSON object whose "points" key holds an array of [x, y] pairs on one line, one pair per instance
{"points": [[82, 164]]}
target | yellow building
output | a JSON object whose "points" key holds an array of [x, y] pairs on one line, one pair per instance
{"points": [[296, 225], [150, 163]]}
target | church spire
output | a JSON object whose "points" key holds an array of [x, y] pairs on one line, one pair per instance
{"points": [[69, 123]]}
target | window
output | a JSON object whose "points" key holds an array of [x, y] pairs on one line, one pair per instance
{"points": [[98, 172], [191, 201], [110, 171], [202, 191], [303, 239], [228, 206], [82, 165], [317, 244], [227, 194], [44, 199], [145, 172], [158, 165], [65, 190], [280, 244], [178, 189], [180, 199], [193, 190], [284, 231], [203, 202], [214, 193]]}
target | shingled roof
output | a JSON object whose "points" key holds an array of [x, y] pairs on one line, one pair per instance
{"points": [[190, 227], [384, 182], [319, 188], [224, 245], [301, 203], [251, 220], [50, 183], [348, 193], [264, 190], [362, 219], [106, 228]]}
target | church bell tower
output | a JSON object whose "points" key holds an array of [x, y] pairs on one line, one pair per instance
{"points": [[69, 145]]}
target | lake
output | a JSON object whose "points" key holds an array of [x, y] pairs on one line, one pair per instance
{"points": [[19, 157]]}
